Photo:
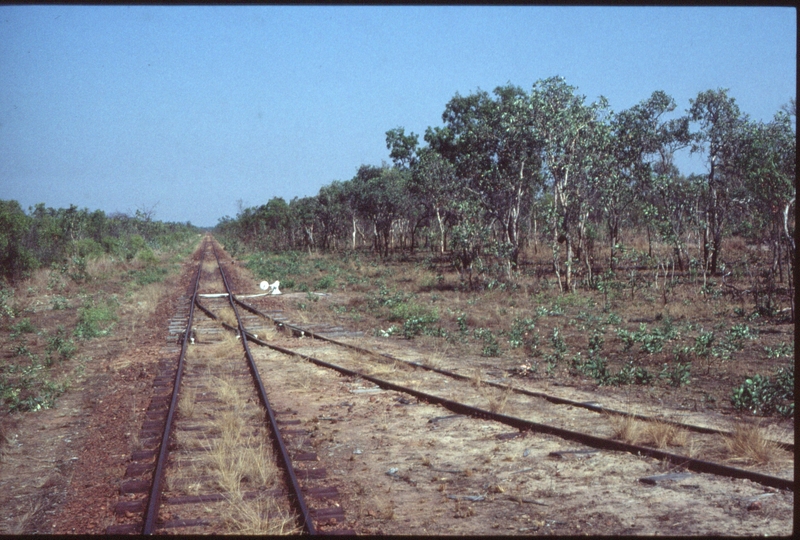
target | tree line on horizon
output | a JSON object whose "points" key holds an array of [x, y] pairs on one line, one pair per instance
{"points": [[46, 237], [511, 168]]}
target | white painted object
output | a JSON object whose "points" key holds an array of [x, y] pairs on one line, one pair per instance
{"points": [[264, 285], [274, 287]]}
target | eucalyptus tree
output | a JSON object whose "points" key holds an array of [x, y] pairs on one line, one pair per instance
{"points": [[434, 184], [495, 155], [718, 137], [643, 144], [403, 148], [470, 239], [380, 197], [768, 156], [332, 214], [352, 195], [303, 219], [404, 151], [574, 138], [270, 224]]}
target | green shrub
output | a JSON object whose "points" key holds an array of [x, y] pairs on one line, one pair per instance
{"points": [[559, 345], [491, 347], [149, 274], [147, 257], [761, 396], [87, 247], [522, 334], [22, 327], [59, 303], [703, 344], [325, 283], [418, 325], [60, 345], [95, 320], [782, 350], [595, 367], [678, 375], [6, 301], [461, 321], [287, 267]]}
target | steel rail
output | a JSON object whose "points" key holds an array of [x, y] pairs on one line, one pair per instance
{"points": [[693, 464], [515, 389], [154, 498], [296, 493], [593, 441]]}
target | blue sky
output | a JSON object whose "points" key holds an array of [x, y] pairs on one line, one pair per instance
{"points": [[186, 110]]}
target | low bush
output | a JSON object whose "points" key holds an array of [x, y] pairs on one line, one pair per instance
{"points": [[95, 320], [22, 327], [59, 345], [762, 396], [490, 345], [148, 275]]}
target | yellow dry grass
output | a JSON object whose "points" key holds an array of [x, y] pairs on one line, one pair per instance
{"points": [[97, 266], [627, 429], [498, 399], [186, 403], [662, 435], [658, 434], [748, 442], [25, 521], [240, 462], [253, 516], [209, 265], [476, 378], [227, 316]]}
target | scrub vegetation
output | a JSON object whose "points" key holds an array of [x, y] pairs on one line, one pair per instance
{"points": [[72, 281], [557, 239]]}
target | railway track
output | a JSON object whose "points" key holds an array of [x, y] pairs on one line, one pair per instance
{"points": [[221, 317], [438, 379], [216, 457]]}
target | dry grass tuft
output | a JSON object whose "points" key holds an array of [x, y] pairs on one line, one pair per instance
{"points": [[658, 434], [254, 517], [218, 353], [476, 378], [186, 402], [240, 461], [267, 333], [25, 522], [98, 266], [210, 266], [661, 435], [627, 429], [748, 443], [227, 316], [434, 361], [379, 368], [498, 400]]}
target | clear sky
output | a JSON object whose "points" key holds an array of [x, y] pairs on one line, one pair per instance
{"points": [[188, 109]]}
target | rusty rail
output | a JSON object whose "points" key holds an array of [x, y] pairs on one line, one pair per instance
{"points": [[291, 479], [552, 399], [693, 464], [154, 499]]}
